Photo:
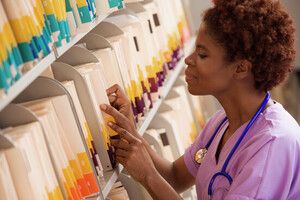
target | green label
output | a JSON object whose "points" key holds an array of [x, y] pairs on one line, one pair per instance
{"points": [[84, 14], [53, 23]]}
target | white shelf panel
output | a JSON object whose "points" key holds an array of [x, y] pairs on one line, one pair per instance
{"points": [[80, 34], [112, 177], [26, 80]]}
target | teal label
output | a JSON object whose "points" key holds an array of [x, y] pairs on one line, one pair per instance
{"points": [[3, 83], [84, 14], [17, 56], [113, 3], [25, 51], [68, 33], [68, 6], [53, 23]]}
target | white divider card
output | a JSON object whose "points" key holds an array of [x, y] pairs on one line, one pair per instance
{"points": [[94, 80], [110, 66], [18, 166], [85, 180], [183, 121], [7, 188], [159, 140], [133, 43], [135, 91], [30, 141], [70, 86], [167, 119], [54, 133], [187, 109]]}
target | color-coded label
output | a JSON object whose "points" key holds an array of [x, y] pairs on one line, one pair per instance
{"points": [[82, 186], [88, 172]]}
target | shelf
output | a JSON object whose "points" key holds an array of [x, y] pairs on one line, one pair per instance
{"points": [[42, 65], [26, 80], [112, 177]]}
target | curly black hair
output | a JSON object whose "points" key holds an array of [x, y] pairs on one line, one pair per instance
{"points": [[260, 31]]}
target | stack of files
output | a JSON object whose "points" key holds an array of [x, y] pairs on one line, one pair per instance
{"points": [[164, 15], [28, 164], [11, 62], [29, 28], [118, 192], [94, 79], [159, 140], [70, 86], [122, 44], [66, 146], [154, 40], [7, 188], [133, 41]]}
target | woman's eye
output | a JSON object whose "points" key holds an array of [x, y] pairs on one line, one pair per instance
{"points": [[202, 56]]}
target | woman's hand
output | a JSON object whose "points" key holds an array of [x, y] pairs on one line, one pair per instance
{"points": [[119, 101], [133, 155]]}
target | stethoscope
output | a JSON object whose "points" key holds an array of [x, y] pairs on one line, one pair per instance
{"points": [[199, 156]]}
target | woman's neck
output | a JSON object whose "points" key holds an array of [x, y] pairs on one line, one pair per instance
{"points": [[240, 106]]}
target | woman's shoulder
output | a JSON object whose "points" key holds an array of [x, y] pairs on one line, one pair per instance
{"points": [[278, 123]]}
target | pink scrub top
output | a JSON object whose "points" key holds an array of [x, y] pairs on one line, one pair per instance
{"points": [[266, 165]]}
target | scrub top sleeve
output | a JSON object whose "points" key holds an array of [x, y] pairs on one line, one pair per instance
{"points": [[270, 173], [200, 142]]}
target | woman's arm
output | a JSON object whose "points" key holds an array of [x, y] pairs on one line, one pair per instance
{"points": [[175, 173]]}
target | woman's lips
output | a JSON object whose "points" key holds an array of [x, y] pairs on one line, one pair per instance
{"points": [[189, 77]]}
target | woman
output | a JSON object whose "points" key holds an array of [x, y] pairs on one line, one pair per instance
{"points": [[251, 148]]}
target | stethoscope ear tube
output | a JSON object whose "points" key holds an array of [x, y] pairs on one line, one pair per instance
{"points": [[249, 125]]}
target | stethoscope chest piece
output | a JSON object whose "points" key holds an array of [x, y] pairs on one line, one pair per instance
{"points": [[199, 155]]}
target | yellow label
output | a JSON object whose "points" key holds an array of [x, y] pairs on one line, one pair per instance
{"points": [[108, 118], [48, 6], [105, 136], [21, 30], [57, 9], [89, 137], [75, 169], [81, 3], [9, 35], [56, 194], [32, 26], [150, 71], [84, 163]]}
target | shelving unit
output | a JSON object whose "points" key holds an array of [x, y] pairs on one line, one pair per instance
{"points": [[42, 65], [112, 177]]}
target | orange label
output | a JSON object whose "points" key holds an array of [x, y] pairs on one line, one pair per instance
{"points": [[91, 180]]}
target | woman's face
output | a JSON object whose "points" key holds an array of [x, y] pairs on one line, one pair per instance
{"points": [[207, 71]]}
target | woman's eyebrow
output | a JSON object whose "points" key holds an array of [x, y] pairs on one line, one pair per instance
{"points": [[201, 46]]}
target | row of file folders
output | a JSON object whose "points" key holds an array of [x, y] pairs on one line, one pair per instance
{"points": [[65, 150], [55, 155], [30, 29]]}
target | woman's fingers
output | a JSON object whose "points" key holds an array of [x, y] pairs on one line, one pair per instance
{"points": [[123, 133], [117, 90], [120, 144], [122, 153], [119, 117]]}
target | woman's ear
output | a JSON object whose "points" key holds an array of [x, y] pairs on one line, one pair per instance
{"points": [[242, 69]]}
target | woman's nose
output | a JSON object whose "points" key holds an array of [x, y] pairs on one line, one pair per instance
{"points": [[189, 60]]}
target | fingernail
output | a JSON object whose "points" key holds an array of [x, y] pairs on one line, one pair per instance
{"points": [[109, 124], [103, 107]]}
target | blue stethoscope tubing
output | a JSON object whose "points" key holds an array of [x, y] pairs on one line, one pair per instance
{"points": [[223, 170]]}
